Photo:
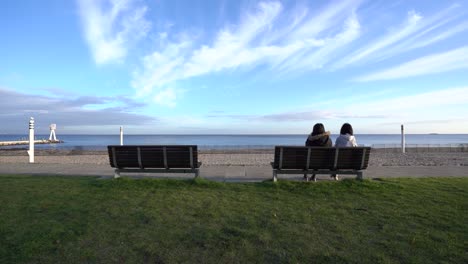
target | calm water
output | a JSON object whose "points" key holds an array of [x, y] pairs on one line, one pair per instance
{"points": [[233, 141]]}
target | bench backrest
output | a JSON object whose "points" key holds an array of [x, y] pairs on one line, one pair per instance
{"points": [[315, 158], [153, 156]]}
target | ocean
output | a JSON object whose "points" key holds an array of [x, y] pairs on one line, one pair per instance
{"points": [[99, 142]]}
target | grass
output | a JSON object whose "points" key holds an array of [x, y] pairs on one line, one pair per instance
{"points": [[85, 219]]}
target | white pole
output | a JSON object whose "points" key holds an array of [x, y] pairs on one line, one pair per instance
{"points": [[121, 136], [31, 140], [403, 144]]}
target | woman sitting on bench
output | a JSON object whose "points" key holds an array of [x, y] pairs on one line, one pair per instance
{"points": [[346, 139], [318, 138]]}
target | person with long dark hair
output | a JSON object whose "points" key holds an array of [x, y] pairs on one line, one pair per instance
{"points": [[346, 138], [318, 138]]}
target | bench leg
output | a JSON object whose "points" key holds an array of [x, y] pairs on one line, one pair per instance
{"points": [[197, 173], [116, 173], [275, 178], [359, 175]]}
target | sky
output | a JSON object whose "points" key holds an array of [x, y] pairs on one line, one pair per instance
{"points": [[233, 67]]}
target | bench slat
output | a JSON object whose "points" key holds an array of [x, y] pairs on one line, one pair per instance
{"points": [[139, 157], [281, 159], [363, 158], [165, 157], [335, 162], [114, 157], [191, 157]]}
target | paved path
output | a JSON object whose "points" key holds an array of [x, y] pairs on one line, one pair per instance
{"points": [[227, 173]]}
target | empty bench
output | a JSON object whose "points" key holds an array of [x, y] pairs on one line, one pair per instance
{"points": [[320, 160], [154, 159]]}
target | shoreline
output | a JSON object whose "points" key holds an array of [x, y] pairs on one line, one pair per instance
{"points": [[238, 158]]}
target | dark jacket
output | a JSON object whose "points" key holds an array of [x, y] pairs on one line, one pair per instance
{"points": [[322, 140]]}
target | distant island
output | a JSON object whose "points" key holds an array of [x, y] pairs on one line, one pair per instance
{"points": [[433, 133]]}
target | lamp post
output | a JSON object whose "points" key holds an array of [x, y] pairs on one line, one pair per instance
{"points": [[31, 140], [121, 136], [403, 144]]}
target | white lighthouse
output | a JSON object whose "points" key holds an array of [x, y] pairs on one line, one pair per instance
{"points": [[52, 136]]}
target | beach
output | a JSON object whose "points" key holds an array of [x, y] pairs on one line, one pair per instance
{"points": [[378, 158]]}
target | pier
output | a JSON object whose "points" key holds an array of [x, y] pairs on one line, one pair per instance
{"points": [[26, 142]]}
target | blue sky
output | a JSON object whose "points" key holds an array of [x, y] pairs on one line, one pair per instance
{"points": [[229, 67]]}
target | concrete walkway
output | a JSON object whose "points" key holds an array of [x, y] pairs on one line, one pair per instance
{"points": [[226, 173]]}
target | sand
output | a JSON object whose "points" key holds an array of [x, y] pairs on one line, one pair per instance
{"points": [[234, 158]]}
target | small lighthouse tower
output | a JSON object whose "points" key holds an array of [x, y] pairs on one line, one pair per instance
{"points": [[52, 136]]}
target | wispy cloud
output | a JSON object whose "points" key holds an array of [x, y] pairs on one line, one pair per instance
{"points": [[111, 27], [436, 63], [269, 36], [408, 28], [406, 108], [167, 97], [416, 32], [443, 108], [231, 46], [262, 37], [419, 43], [435, 103], [319, 57], [326, 18]]}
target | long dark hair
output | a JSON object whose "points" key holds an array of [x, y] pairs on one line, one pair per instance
{"points": [[318, 129], [346, 129]]}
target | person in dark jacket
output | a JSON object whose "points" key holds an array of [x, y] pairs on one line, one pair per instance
{"points": [[318, 138]]}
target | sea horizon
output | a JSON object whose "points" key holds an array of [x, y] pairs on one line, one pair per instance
{"points": [[219, 134]]}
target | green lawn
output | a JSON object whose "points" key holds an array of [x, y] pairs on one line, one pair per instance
{"points": [[84, 219]]}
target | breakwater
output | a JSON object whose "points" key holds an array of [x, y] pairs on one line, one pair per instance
{"points": [[26, 142]]}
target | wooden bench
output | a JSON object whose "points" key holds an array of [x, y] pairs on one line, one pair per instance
{"points": [[320, 160], [154, 159]]}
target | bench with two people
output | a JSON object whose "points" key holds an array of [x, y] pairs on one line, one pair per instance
{"points": [[287, 159]]}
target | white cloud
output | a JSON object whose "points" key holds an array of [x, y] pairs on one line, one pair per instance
{"points": [[167, 97], [111, 26], [295, 41], [160, 68], [445, 104], [436, 63], [231, 47], [410, 35], [408, 28], [440, 111], [319, 57], [261, 38], [326, 18], [441, 36]]}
